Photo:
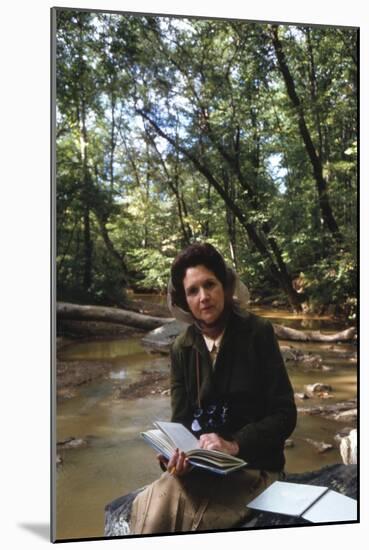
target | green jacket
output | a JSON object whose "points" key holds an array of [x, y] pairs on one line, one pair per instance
{"points": [[250, 374]]}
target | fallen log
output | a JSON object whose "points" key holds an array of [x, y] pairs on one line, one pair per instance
{"points": [[77, 312], [161, 339], [287, 333]]}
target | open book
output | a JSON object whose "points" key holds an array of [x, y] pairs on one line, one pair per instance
{"points": [[313, 503], [169, 436]]}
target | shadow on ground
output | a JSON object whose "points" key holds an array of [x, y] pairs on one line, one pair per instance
{"points": [[42, 530]]}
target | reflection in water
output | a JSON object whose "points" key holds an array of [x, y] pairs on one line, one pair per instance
{"points": [[116, 460], [107, 350], [120, 375]]}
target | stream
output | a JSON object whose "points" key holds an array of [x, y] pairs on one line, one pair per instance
{"points": [[116, 460]]}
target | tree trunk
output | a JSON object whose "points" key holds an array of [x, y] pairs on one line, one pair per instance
{"points": [[86, 193], [324, 204], [111, 248], [313, 91], [112, 142], [174, 184], [87, 242], [86, 177], [230, 218]]}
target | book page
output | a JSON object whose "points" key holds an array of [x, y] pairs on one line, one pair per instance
{"points": [[181, 437], [282, 497], [159, 441], [332, 507], [223, 470], [216, 457]]}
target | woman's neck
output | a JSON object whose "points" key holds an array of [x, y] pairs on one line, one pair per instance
{"points": [[215, 329]]}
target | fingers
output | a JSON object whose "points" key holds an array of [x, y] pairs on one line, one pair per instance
{"points": [[213, 442], [172, 463], [178, 464]]}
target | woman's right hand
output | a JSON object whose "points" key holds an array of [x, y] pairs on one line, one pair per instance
{"points": [[178, 464]]}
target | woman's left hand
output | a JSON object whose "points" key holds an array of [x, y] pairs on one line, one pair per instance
{"points": [[213, 442]]}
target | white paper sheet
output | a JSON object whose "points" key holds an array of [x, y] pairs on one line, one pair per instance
{"points": [[314, 503], [287, 498], [332, 507]]}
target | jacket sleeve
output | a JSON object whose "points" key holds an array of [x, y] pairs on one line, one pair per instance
{"points": [[268, 434]]}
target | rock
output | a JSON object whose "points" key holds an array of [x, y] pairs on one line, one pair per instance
{"points": [[325, 395], [311, 361], [72, 443], [306, 360], [301, 396], [346, 416], [320, 445], [339, 477], [343, 432], [66, 393], [333, 411], [118, 514], [160, 339], [348, 448], [313, 389]]}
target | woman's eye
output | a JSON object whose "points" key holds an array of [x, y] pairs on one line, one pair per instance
{"points": [[210, 284], [191, 291]]}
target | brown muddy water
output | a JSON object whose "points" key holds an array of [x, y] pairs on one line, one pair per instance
{"points": [[116, 460]]}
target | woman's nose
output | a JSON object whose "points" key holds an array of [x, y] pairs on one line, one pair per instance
{"points": [[203, 294]]}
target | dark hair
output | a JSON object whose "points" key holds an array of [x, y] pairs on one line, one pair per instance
{"points": [[193, 255]]}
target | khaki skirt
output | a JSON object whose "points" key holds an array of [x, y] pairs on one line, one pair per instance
{"points": [[199, 501]]}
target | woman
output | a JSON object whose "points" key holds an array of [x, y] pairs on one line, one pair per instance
{"points": [[229, 386]]}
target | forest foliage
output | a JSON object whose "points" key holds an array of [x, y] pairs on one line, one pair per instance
{"points": [[172, 130]]}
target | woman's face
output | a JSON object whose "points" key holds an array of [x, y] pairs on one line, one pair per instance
{"points": [[204, 294]]}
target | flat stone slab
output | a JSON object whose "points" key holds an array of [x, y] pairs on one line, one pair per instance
{"points": [[161, 338]]}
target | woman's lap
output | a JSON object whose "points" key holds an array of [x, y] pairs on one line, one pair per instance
{"points": [[200, 501]]}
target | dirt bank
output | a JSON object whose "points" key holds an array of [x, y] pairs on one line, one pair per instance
{"points": [[70, 375], [151, 383]]}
